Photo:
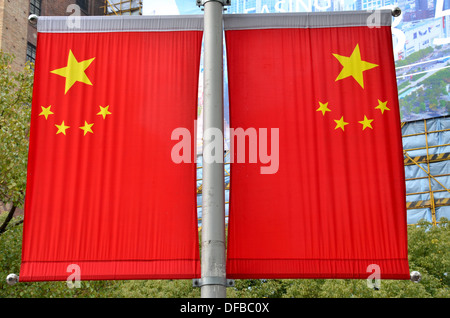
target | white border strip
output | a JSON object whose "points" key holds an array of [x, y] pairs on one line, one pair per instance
{"points": [[95, 24], [373, 19]]}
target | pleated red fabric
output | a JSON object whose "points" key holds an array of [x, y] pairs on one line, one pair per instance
{"points": [[324, 194], [103, 192]]}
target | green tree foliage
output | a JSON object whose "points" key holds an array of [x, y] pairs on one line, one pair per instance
{"points": [[155, 289], [433, 92], [414, 57], [15, 101]]}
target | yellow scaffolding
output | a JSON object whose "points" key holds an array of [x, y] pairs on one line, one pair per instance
{"points": [[122, 7], [432, 203]]}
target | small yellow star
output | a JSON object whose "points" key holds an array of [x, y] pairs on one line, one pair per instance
{"points": [[340, 123], [62, 128], [46, 111], [104, 111], [323, 108], [353, 66], [382, 106], [87, 128], [74, 71], [366, 122]]}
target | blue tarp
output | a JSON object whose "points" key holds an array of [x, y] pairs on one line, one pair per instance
{"points": [[439, 170]]}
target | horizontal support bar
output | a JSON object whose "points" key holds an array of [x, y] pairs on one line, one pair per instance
{"points": [[430, 158], [428, 132], [427, 203], [199, 282]]}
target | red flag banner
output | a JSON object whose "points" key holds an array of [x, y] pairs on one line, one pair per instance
{"points": [[320, 189], [104, 199]]}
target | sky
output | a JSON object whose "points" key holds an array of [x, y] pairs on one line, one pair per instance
{"points": [[169, 7]]}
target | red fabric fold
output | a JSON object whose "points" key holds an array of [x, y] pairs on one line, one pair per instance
{"points": [[332, 200], [103, 191]]}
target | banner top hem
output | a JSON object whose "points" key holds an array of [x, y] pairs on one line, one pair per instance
{"points": [[371, 19], [91, 24]]}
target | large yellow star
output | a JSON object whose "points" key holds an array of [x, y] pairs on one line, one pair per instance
{"points": [[340, 123], [62, 128], [382, 106], [353, 66], [366, 122], [46, 111], [323, 108], [74, 71], [87, 128], [104, 111]]}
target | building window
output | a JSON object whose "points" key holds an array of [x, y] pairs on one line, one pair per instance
{"points": [[31, 52], [35, 7], [83, 5]]}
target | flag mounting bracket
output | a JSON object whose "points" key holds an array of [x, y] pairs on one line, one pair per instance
{"points": [[12, 279], [224, 2], [396, 12], [212, 280], [33, 19]]}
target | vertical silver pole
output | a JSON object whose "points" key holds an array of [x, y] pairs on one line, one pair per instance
{"points": [[213, 197]]}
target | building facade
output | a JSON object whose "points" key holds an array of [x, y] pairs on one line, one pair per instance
{"points": [[19, 37], [13, 29]]}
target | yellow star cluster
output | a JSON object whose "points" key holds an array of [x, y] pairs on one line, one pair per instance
{"points": [[354, 67], [74, 72]]}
